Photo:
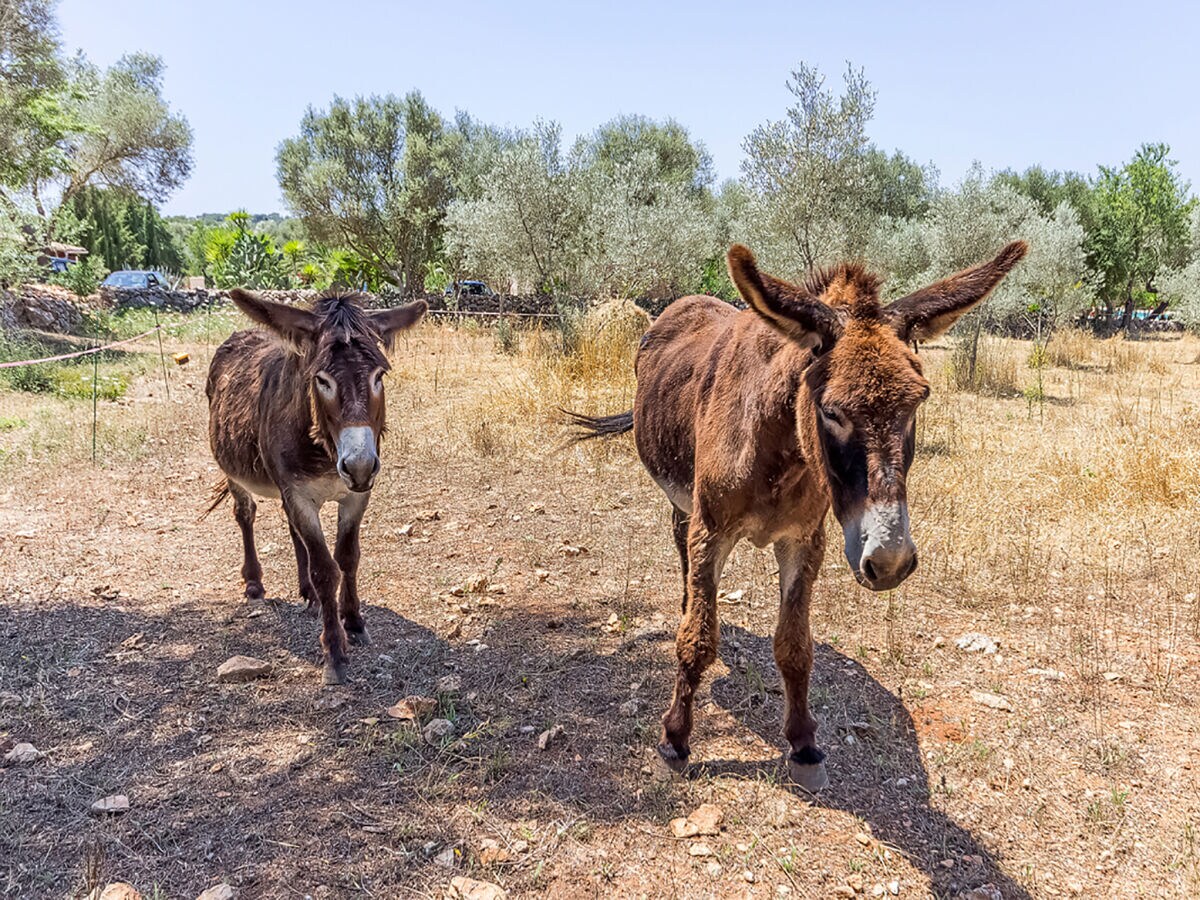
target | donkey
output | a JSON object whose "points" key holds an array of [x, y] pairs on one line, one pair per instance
{"points": [[755, 422], [296, 411]]}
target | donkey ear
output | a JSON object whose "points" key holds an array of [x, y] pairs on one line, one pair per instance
{"points": [[931, 311], [391, 322], [792, 311], [295, 325]]}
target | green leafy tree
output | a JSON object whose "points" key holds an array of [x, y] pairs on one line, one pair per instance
{"points": [[1141, 226], [676, 158], [810, 175], [374, 176], [896, 186], [528, 226]]}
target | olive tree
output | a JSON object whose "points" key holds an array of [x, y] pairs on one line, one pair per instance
{"points": [[809, 174], [526, 229], [374, 175], [647, 232]]}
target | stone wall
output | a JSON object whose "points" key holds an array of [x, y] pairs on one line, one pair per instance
{"points": [[42, 307]]}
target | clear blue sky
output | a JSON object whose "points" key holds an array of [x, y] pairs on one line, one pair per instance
{"points": [[1068, 85]]}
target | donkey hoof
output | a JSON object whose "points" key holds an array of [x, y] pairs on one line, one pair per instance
{"points": [[672, 758], [311, 607], [358, 637], [254, 590], [807, 769], [334, 674]]}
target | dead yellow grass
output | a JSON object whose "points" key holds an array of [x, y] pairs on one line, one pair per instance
{"points": [[1065, 527]]}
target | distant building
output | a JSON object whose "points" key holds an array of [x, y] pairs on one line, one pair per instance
{"points": [[57, 257]]}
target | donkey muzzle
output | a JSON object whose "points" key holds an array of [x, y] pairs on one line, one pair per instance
{"points": [[879, 546], [357, 458]]}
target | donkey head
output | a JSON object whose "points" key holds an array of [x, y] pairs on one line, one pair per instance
{"points": [[857, 403], [339, 344]]}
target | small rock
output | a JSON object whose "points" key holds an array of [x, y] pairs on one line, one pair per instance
{"points": [[406, 530], [115, 804], [893, 888], [412, 709], [22, 754], [449, 684], [447, 859], [682, 828], [117, 890], [863, 838], [983, 892], [748, 877], [629, 708], [541, 574], [855, 881], [491, 853], [707, 818], [549, 736], [464, 888], [222, 891], [974, 642], [700, 850], [992, 701], [242, 668], [437, 730], [713, 868], [878, 890]]}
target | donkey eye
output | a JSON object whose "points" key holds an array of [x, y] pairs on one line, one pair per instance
{"points": [[836, 422], [377, 380], [326, 385]]}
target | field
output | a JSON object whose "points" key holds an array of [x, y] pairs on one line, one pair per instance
{"points": [[1057, 510]]}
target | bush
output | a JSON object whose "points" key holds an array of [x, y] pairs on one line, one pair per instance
{"points": [[508, 341], [81, 278]]}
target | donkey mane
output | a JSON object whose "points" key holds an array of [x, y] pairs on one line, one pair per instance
{"points": [[341, 313], [847, 285]]}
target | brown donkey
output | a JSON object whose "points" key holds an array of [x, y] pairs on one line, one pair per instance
{"points": [[754, 423], [296, 411]]}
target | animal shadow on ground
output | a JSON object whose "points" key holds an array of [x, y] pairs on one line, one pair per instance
{"points": [[873, 759], [280, 785], [263, 783]]}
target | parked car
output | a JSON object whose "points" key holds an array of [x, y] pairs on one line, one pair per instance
{"points": [[469, 289], [136, 278]]}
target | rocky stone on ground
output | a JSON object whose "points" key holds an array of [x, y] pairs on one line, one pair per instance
{"points": [[111, 805], [222, 891], [238, 669], [464, 888]]}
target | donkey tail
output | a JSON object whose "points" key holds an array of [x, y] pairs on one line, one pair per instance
{"points": [[219, 492], [589, 427]]}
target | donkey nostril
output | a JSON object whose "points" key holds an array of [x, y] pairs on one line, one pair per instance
{"points": [[869, 570]]}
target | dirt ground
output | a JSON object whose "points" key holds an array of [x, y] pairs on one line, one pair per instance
{"points": [[1066, 762]]}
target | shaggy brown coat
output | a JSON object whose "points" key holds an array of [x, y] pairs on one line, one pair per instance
{"points": [[755, 423], [296, 411]]}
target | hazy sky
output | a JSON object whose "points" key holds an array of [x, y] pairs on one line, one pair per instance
{"points": [[1067, 85]]}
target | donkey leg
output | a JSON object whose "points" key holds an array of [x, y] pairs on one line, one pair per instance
{"points": [[697, 639], [799, 562], [679, 530], [346, 552], [304, 516], [244, 509], [307, 591]]}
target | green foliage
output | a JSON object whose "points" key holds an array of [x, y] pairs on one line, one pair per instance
{"points": [[373, 176], [1141, 224], [236, 256], [676, 158], [506, 338], [67, 125], [809, 175], [82, 278]]}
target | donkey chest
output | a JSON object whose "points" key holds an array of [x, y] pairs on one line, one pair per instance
{"points": [[790, 505]]}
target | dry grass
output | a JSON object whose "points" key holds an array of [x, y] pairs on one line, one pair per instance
{"points": [[1070, 532]]}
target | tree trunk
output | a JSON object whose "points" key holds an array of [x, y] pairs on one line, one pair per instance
{"points": [[1127, 319]]}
